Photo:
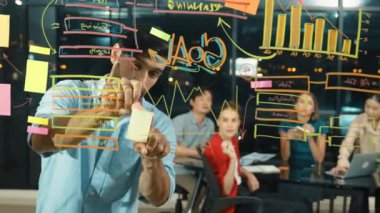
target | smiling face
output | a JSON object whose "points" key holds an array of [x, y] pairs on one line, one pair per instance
{"points": [[305, 105], [228, 123]]}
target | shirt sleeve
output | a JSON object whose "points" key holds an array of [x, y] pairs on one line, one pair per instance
{"points": [[56, 101], [212, 129], [347, 145], [283, 127], [237, 151], [214, 155], [178, 125]]}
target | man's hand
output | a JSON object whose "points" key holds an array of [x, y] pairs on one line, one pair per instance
{"points": [[154, 181], [120, 98], [156, 148], [252, 182]]}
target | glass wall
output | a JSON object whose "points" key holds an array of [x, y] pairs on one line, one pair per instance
{"points": [[329, 48]]}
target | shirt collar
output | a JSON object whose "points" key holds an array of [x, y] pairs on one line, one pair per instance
{"points": [[193, 121]]}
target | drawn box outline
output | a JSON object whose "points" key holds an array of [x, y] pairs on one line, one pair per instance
{"points": [[327, 87], [116, 120], [278, 119], [284, 78], [116, 142]]}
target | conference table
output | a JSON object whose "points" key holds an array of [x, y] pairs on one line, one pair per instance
{"points": [[306, 181], [314, 183]]}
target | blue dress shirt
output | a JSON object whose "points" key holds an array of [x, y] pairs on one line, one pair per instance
{"points": [[94, 180]]}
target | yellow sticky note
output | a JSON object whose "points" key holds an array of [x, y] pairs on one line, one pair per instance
{"points": [[39, 50], [139, 125], [36, 120], [246, 6], [4, 30], [160, 34], [36, 76]]}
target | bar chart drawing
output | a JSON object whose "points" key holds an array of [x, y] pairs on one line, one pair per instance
{"points": [[306, 37]]}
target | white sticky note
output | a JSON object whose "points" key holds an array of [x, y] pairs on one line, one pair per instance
{"points": [[36, 76], [4, 30], [139, 125]]}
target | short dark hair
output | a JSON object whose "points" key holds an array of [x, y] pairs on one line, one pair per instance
{"points": [[375, 97], [143, 40], [199, 91]]}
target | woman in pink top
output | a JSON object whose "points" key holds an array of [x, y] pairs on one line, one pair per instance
{"points": [[365, 130]]}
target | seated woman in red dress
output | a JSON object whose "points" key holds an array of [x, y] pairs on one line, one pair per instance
{"points": [[222, 152]]}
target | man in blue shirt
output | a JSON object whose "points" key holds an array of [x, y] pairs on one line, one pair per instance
{"points": [[101, 180], [193, 129]]}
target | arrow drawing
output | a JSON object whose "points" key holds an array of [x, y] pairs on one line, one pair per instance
{"points": [[54, 26], [5, 57], [222, 23], [54, 51], [242, 129], [27, 102]]}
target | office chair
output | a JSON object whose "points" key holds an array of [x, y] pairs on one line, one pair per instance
{"points": [[215, 202], [182, 195]]}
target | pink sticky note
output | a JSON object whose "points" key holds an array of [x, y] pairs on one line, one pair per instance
{"points": [[37, 130], [261, 84], [5, 97]]}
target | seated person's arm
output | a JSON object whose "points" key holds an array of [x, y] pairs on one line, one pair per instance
{"points": [[183, 151], [318, 149], [229, 177], [252, 182], [347, 146], [346, 149], [284, 145]]}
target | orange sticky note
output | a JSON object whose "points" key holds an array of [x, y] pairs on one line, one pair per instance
{"points": [[246, 6], [4, 30]]}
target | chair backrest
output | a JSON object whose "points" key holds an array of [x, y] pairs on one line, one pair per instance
{"points": [[212, 182]]}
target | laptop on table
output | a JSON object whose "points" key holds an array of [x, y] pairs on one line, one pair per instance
{"points": [[361, 165]]}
